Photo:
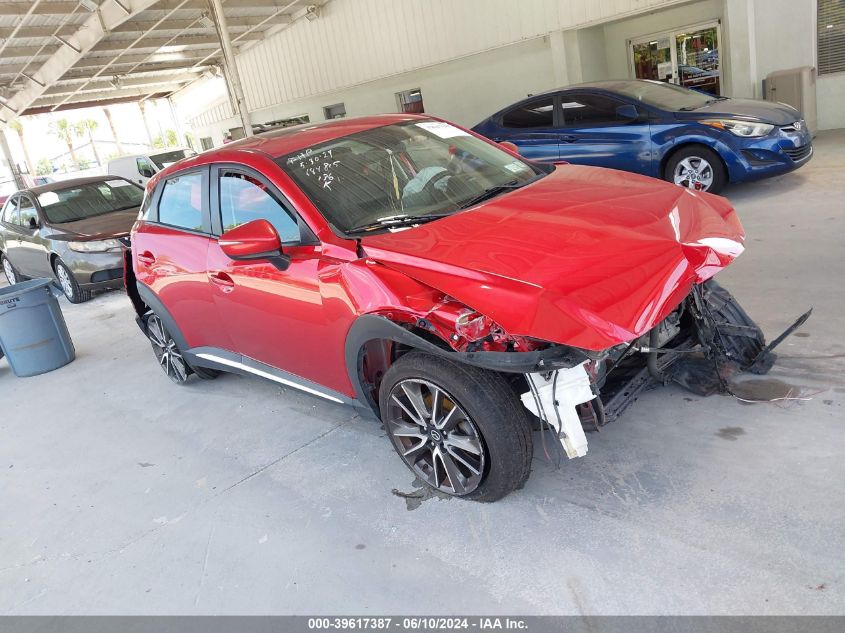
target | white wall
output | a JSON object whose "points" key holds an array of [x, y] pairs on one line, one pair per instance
{"points": [[355, 42], [465, 90], [474, 56], [786, 38]]}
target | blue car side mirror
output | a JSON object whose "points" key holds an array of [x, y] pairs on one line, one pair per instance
{"points": [[627, 112]]}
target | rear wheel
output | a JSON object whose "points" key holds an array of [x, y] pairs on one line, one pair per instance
{"points": [[167, 352], [69, 285], [696, 167], [460, 429]]}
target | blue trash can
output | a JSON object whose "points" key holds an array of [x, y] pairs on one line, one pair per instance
{"points": [[33, 333]]}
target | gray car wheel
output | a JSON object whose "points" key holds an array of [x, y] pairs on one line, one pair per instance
{"points": [[69, 285], [9, 271]]}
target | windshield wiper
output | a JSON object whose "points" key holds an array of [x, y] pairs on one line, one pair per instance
{"points": [[394, 220], [491, 192]]}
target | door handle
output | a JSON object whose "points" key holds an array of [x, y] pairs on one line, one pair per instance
{"points": [[146, 258], [224, 281], [568, 138]]}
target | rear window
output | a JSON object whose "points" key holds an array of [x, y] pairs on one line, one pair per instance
{"points": [[181, 202], [89, 200]]}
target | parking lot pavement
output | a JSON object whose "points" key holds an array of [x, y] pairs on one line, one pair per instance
{"points": [[121, 492]]}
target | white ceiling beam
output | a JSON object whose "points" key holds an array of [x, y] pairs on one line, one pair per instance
{"points": [[64, 8], [236, 23], [125, 83], [90, 32], [112, 93], [29, 51], [189, 42], [146, 68]]}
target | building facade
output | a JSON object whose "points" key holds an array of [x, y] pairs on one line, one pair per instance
{"points": [[465, 60]]}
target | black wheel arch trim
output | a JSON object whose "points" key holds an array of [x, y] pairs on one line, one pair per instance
{"points": [[153, 302], [370, 327]]}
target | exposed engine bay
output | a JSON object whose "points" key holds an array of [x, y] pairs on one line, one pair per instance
{"points": [[700, 346]]}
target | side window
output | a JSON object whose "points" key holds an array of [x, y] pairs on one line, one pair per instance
{"points": [[244, 199], [537, 113], [10, 211], [28, 214], [180, 204], [587, 110], [145, 168]]}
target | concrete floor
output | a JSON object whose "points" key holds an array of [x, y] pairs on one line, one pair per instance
{"points": [[123, 493]]}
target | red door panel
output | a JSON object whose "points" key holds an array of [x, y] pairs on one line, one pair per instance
{"points": [[282, 318], [173, 264]]}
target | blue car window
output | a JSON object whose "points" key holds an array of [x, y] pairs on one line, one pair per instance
{"points": [[588, 110], [537, 113]]}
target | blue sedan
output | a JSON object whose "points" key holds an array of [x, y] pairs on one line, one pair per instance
{"points": [[687, 137]]}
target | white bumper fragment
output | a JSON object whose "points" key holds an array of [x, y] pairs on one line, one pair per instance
{"points": [[558, 397]]}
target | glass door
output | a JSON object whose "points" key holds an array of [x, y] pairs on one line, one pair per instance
{"points": [[699, 67], [688, 57], [654, 59]]}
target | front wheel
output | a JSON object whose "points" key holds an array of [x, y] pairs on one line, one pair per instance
{"points": [[9, 270], [460, 429], [69, 285], [698, 168]]}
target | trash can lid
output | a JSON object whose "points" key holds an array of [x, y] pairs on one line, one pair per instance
{"points": [[24, 287]]}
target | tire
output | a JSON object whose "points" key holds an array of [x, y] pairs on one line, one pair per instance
{"points": [[166, 350], [703, 168], [69, 285], [479, 447], [11, 273]]}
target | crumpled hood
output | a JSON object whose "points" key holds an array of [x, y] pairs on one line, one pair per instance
{"points": [[587, 257], [108, 225]]}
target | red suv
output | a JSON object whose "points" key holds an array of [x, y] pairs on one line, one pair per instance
{"points": [[463, 294]]}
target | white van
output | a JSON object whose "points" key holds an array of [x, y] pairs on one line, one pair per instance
{"points": [[141, 167]]}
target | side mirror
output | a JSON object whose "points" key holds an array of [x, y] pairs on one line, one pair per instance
{"points": [[33, 223], [627, 112], [147, 173], [253, 241], [510, 146]]}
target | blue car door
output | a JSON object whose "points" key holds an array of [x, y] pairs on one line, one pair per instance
{"points": [[530, 125], [594, 132]]}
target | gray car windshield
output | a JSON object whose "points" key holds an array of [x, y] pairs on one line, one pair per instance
{"points": [[403, 174], [661, 95], [89, 200]]}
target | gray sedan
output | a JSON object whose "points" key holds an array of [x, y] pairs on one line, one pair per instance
{"points": [[70, 230]]}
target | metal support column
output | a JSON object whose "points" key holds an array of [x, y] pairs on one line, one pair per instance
{"points": [[7, 158], [232, 76]]}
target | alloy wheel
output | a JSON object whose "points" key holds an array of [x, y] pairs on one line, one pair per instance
{"points": [[65, 281], [166, 350], [435, 436], [694, 172], [9, 271]]}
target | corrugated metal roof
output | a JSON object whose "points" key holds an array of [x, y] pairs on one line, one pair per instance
{"points": [[177, 44]]}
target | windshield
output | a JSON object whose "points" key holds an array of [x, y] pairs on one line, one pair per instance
{"points": [[89, 200], [662, 95], [402, 173], [165, 159]]}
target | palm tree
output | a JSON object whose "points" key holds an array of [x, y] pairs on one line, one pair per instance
{"points": [[17, 126], [89, 125], [63, 129], [117, 142]]}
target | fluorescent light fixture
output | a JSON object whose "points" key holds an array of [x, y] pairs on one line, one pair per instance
{"points": [[312, 12], [206, 20], [89, 4]]}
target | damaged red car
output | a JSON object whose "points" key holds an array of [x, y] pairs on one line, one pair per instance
{"points": [[462, 294]]}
